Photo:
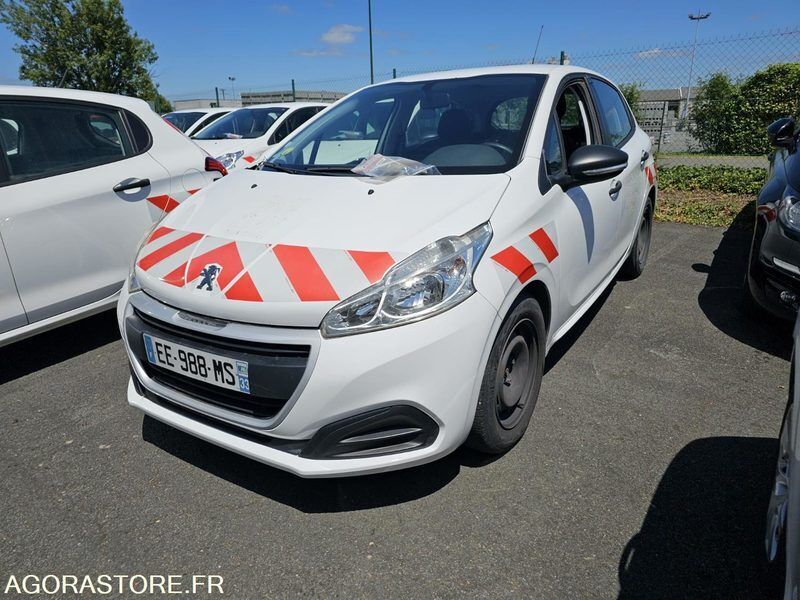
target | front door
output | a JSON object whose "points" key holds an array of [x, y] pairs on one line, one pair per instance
{"points": [[69, 236]]}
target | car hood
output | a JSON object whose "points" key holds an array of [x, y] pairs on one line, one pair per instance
{"points": [[252, 149], [280, 249]]}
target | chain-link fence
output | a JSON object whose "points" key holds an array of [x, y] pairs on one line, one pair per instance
{"points": [[703, 103]]}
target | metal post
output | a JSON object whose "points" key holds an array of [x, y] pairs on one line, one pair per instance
{"points": [[394, 73], [216, 92], [371, 67], [223, 93], [294, 93], [233, 91], [563, 58], [696, 18], [664, 108]]}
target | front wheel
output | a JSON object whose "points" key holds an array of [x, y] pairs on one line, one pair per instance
{"points": [[511, 380], [637, 259]]}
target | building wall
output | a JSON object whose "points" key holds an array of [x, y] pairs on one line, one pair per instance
{"points": [[249, 98], [205, 103]]}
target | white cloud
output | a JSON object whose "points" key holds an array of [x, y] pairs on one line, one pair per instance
{"points": [[341, 34], [314, 52], [652, 53]]}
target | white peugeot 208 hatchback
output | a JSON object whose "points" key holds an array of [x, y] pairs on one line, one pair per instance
{"points": [[331, 321]]}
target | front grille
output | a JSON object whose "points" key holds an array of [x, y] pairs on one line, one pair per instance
{"points": [[275, 369]]}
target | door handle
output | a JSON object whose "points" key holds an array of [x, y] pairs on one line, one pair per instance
{"points": [[124, 186], [615, 188], [645, 156]]}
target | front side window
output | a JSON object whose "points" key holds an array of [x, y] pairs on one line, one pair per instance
{"points": [[616, 120], [247, 123], [183, 120], [42, 138], [461, 125], [552, 154], [292, 122]]}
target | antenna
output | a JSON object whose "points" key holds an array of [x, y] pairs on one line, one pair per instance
{"points": [[537, 45]]}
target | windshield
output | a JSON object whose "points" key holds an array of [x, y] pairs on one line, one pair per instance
{"points": [[245, 123], [183, 120], [467, 125]]}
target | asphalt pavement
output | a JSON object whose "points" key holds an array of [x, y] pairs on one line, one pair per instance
{"points": [[645, 472]]}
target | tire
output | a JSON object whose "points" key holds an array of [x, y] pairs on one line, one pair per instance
{"points": [[506, 401], [775, 533], [637, 259]]}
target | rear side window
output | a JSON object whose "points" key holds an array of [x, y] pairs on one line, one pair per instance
{"points": [[44, 138], [616, 120]]}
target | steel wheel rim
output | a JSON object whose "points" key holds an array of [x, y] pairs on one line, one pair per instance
{"points": [[515, 372], [778, 501]]}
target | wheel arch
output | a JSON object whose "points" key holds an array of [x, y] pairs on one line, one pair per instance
{"points": [[537, 290]]}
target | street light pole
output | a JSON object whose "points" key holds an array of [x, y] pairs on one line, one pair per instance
{"points": [[233, 92], [371, 67], [696, 18]]}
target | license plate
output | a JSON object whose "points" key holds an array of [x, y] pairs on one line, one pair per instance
{"points": [[204, 366]]}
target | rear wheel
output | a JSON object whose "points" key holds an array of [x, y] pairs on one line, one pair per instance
{"points": [[637, 259], [511, 380]]}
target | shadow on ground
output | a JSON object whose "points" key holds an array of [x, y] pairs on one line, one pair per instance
{"points": [[703, 534], [722, 297], [311, 495], [60, 344]]}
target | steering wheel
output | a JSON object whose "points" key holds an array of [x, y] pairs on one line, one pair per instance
{"points": [[498, 146]]}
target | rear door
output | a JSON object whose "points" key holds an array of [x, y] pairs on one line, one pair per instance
{"points": [[619, 130], [75, 202]]}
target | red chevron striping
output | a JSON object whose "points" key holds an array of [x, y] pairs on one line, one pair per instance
{"points": [[168, 250], [249, 159], [513, 260], [159, 232], [546, 245], [373, 264], [304, 273], [164, 202], [649, 173], [193, 192]]}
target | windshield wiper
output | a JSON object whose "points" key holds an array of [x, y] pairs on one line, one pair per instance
{"points": [[281, 168], [333, 169]]}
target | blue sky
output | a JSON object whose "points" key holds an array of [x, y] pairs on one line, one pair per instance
{"points": [[265, 43]]}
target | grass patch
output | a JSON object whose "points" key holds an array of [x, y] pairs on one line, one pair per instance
{"points": [[703, 207], [712, 178]]}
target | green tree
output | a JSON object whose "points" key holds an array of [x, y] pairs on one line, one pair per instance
{"points": [[633, 95], [80, 44], [768, 95], [731, 118]]}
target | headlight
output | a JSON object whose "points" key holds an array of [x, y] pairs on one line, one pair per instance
{"points": [[789, 210], [133, 282], [425, 284], [229, 159]]}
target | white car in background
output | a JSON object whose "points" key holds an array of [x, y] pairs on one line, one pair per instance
{"points": [[83, 176], [242, 136], [332, 321], [192, 120]]}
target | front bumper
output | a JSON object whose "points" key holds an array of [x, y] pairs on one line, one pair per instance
{"points": [[433, 367], [774, 267]]}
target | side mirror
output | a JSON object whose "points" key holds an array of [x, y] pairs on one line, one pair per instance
{"points": [[781, 133], [594, 163]]}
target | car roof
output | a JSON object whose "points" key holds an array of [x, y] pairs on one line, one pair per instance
{"points": [[557, 71], [65, 94]]}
